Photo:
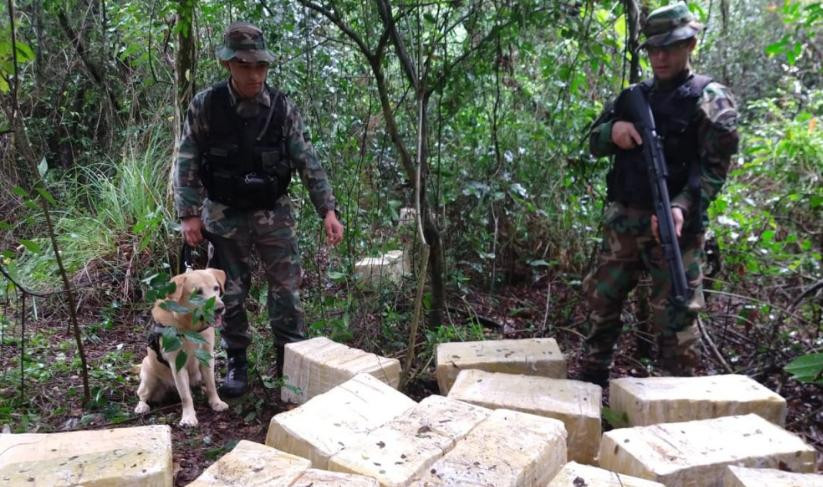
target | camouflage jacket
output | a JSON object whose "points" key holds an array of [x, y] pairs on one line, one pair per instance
{"points": [[189, 193], [717, 136]]}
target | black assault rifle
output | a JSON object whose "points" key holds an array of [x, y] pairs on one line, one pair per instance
{"points": [[638, 112]]}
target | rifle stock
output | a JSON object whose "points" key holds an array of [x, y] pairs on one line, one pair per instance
{"points": [[640, 113]]}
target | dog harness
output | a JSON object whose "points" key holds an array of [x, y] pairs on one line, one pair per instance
{"points": [[155, 333], [154, 343]]}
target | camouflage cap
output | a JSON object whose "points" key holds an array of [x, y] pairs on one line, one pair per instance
{"points": [[245, 42], [670, 24]]}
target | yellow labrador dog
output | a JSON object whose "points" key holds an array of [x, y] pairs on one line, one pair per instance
{"points": [[157, 374]]}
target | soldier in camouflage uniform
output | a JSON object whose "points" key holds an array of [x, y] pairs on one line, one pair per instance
{"points": [[696, 119], [240, 144]]}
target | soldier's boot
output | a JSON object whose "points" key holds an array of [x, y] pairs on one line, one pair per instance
{"points": [[594, 368], [236, 382], [279, 360], [595, 364], [595, 375], [679, 355]]}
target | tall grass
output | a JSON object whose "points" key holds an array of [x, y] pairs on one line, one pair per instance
{"points": [[105, 206]]}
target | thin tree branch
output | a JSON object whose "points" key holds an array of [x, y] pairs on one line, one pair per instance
{"points": [[405, 60], [16, 84], [375, 59], [336, 20], [444, 74], [492, 34], [632, 33], [22, 343], [808, 292], [80, 48], [25, 290], [716, 351], [28, 156]]}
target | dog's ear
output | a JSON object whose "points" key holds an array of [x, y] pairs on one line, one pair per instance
{"points": [[220, 276], [179, 282]]}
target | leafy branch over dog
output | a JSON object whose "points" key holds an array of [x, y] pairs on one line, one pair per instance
{"points": [[187, 310]]}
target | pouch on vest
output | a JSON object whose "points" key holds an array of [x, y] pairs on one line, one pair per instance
{"points": [[628, 181], [241, 169]]}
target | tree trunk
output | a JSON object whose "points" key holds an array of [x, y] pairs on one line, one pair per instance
{"points": [[633, 24], [430, 230], [183, 77], [184, 60], [375, 60]]}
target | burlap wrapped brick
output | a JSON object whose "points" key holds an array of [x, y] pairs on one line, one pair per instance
{"points": [[389, 267], [696, 453], [529, 356], [575, 403], [404, 447], [323, 478], [102, 458], [577, 475], [759, 477], [509, 448], [314, 366], [655, 400], [339, 418], [252, 464]]}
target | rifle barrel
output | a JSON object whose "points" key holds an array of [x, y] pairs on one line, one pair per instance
{"points": [[641, 115]]}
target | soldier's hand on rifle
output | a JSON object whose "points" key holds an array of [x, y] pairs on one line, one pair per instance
{"points": [[192, 228], [677, 217], [625, 136], [334, 229]]}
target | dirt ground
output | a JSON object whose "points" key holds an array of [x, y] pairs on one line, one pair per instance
{"points": [[517, 311]]}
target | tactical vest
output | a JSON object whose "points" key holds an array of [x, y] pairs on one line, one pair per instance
{"points": [[245, 163], [674, 111]]}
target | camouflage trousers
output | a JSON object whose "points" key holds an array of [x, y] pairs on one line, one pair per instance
{"points": [[233, 235], [628, 250]]}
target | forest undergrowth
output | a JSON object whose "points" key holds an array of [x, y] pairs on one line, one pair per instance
{"points": [[46, 397], [492, 101]]}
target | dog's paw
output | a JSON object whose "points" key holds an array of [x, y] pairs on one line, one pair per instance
{"points": [[141, 408], [218, 405], [189, 421]]}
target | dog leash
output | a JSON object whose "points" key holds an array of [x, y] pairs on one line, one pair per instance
{"points": [[185, 262]]}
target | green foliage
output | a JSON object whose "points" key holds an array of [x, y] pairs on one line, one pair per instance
{"points": [[515, 194], [335, 326], [201, 309], [171, 340], [803, 19], [451, 333], [733, 49], [180, 360], [807, 368], [615, 419], [104, 206], [159, 285], [775, 195], [24, 54]]}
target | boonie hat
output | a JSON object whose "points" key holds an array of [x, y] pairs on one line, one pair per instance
{"points": [[245, 42], [670, 24]]}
